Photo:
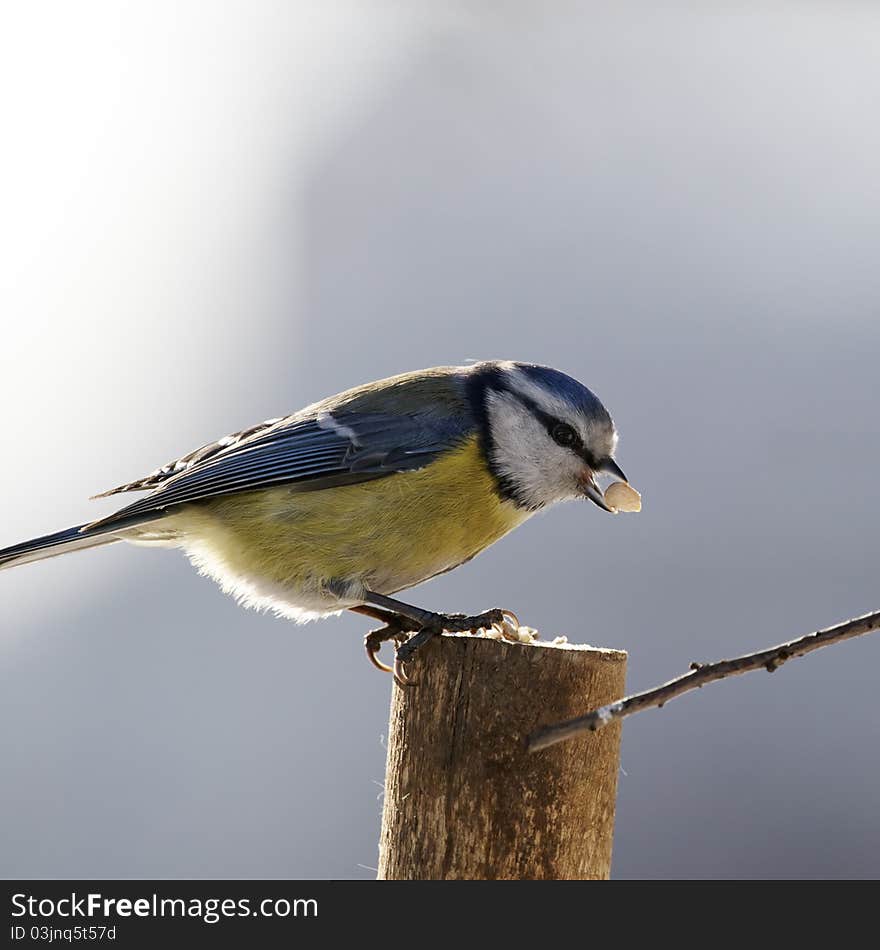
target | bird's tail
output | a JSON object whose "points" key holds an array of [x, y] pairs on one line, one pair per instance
{"points": [[50, 545]]}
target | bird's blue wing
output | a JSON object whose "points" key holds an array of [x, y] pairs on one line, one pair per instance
{"points": [[308, 454]]}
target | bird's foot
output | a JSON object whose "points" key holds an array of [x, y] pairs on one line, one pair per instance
{"points": [[412, 632], [436, 624], [396, 628]]}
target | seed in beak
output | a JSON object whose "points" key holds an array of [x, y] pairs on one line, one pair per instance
{"points": [[623, 497]]}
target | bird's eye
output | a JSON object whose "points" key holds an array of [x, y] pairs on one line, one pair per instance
{"points": [[563, 434]]}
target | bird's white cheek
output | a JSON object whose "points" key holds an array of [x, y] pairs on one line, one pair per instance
{"points": [[524, 453], [567, 478]]}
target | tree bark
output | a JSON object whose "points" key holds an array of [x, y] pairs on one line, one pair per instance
{"points": [[463, 797]]}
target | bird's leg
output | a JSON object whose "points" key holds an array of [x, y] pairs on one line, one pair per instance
{"points": [[430, 625]]}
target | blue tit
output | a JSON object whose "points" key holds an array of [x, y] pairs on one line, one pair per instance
{"points": [[367, 493]]}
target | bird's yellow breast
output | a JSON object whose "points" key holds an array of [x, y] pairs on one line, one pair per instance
{"points": [[386, 534]]}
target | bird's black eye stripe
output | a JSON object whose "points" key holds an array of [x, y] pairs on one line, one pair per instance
{"points": [[565, 435]]}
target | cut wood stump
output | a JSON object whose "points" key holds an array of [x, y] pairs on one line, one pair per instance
{"points": [[463, 797]]}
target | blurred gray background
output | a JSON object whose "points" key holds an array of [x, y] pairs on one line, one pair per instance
{"points": [[216, 213]]}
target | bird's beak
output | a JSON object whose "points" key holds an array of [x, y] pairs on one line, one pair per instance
{"points": [[592, 491], [610, 467]]}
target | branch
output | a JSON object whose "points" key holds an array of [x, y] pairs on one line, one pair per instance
{"points": [[700, 674]]}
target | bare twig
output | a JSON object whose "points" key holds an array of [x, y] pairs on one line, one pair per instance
{"points": [[700, 674]]}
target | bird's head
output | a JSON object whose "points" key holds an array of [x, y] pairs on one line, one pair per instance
{"points": [[545, 435]]}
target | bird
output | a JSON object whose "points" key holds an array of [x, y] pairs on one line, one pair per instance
{"points": [[347, 502]]}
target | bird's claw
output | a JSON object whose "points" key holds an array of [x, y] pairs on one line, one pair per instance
{"points": [[509, 626], [400, 675], [372, 645], [395, 629]]}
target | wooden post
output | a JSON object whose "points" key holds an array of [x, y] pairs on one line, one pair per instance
{"points": [[463, 797]]}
